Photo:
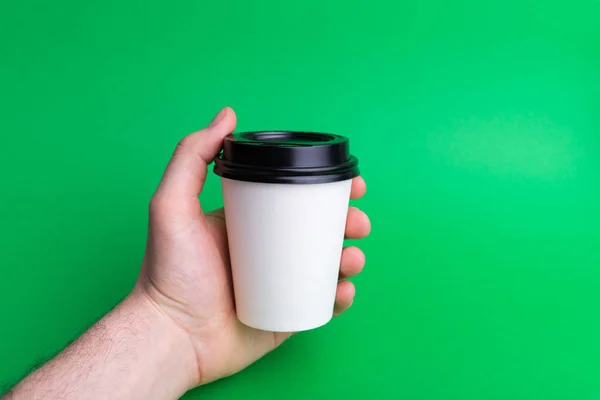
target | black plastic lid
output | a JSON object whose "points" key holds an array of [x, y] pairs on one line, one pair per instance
{"points": [[286, 157]]}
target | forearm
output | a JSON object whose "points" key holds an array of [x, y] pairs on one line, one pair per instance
{"points": [[134, 352]]}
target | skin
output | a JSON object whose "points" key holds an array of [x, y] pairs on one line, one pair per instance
{"points": [[177, 329]]}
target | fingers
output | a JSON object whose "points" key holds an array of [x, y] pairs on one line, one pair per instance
{"points": [[344, 297], [352, 260], [358, 224], [186, 172], [217, 214], [359, 188], [352, 263], [218, 230]]}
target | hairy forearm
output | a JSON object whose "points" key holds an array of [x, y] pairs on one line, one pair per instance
{"points": [[134, 352]]}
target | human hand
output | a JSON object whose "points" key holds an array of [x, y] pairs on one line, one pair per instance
{"points": [[186, 272]]}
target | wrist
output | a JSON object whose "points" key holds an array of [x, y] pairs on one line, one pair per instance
{"points": [[173, 350]]}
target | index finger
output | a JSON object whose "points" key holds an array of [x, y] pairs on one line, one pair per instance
{"points": [[359, 188]]}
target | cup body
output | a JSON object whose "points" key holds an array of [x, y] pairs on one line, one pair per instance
{"points": [[285, 244]]}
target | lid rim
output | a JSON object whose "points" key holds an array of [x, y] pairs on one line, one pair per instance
{"points": [[286, 157], [288, 179]]}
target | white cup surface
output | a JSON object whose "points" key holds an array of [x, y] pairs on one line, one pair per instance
{"points": [[285, 244]]}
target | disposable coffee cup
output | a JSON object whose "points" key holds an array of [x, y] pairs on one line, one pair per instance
{"points": [[286, 199]]}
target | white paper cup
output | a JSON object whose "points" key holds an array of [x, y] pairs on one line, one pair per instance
{"points": [[286, 216]]}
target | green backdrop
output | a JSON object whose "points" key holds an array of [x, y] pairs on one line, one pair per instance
{"points": [[477, 124]]}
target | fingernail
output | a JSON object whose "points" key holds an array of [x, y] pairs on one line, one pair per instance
{"points": [[218, 118]]}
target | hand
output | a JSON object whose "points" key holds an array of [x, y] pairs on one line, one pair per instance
{"points": [[186, 272], [178, 328]]}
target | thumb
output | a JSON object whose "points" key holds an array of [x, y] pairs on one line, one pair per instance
{"points": [[185, 175]]}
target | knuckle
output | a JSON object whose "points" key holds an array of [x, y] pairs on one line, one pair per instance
{"points": [[158, 205], [186, 143]]}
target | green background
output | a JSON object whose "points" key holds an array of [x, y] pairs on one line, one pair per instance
{"points": [[478, 128]]}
